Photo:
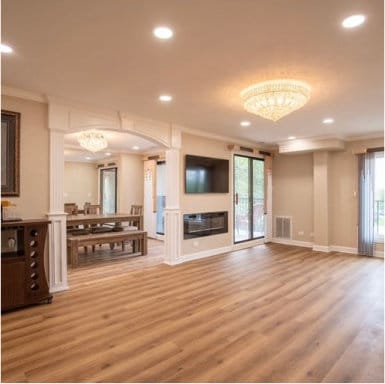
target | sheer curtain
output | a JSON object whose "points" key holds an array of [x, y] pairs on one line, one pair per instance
{"points": [[366, 163]]}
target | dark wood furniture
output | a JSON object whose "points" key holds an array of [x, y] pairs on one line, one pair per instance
{"points": [[77, 220], [139, 239], [23, 279]]}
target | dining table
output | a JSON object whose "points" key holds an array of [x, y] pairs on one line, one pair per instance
{"points": [[116, 218]]}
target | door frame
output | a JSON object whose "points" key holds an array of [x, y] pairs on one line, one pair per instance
{"points": [[251, 190], [101, 186]]}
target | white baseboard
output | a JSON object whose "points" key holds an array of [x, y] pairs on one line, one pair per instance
{"points": [[321, 248], [202, 254], [58, 288], [337, 248], [249, 244], [297, 243]]}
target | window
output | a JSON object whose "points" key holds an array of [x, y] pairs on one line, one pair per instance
{"points": [[379, 168]]}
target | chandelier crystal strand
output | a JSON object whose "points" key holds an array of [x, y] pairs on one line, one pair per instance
{"points": [[275, 99], [93, 141]]}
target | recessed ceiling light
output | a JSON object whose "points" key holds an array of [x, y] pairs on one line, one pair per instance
{"points": [[163, 32], [5, 49], [245, 123], [88, 158], [328, 120], [165, 98], [135, 148], [291, 138], [353, 21], [108, 153]]}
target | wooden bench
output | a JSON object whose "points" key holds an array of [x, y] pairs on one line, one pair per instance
{"points": [[138, 238]]}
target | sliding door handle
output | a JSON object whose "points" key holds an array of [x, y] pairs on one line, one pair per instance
{"points": [[236, 198]]}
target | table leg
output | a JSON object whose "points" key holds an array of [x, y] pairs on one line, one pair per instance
{"points": [[74, 255], [144, 245]]}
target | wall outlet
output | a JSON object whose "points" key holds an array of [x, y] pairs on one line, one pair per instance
{"points": [[195, 243], [301, 233]]}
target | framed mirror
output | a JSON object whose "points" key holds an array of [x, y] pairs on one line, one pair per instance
{"points": [[10, 153]]}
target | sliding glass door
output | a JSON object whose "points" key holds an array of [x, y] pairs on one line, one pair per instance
{"points": [[249, 216], [108, 188]]}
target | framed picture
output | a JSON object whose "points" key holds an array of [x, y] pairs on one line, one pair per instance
{"points": [[10, 153]]}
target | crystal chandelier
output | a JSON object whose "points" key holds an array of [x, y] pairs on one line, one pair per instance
{"points": [[92, 141], [275, 99]]}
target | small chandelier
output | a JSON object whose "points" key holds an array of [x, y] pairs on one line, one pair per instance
{"points": [[92, 141], [275, 99]]}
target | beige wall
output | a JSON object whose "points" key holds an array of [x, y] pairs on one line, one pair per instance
{"points": [[130, 182], [293, 192], [195, 203], [80, 183], [34, 157], [344, 198]]}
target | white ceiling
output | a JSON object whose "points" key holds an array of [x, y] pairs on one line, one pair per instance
{"points": [[117, 143], [102, 52]]}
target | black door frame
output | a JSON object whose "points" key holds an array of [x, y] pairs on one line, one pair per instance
{"points": [[251, 193]]}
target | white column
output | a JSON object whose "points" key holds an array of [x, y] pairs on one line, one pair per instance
{"points": [[321, 201], [57, 229], [172, 212]]}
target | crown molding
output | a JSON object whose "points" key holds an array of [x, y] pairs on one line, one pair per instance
{"points": [[22, 94], [375, 135], [225, 139]]}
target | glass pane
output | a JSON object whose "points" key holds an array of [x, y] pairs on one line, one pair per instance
{"points": [[160, 197], [108, 178], [258, 198], [242, 230]]}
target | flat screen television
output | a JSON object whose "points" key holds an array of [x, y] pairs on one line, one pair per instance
{"points": [[206, 175]]}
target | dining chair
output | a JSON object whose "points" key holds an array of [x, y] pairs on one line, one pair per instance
{"points": [[135, 210], [71, 208], [91, 209]]}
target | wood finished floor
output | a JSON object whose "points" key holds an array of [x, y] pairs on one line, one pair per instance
{"points": [[272, 313]]}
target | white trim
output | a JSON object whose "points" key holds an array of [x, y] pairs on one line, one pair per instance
{"points": [[337, 248], [22, 94], [321, 248], [223, 138], [296, 243], [58, 288], [202, 254]]}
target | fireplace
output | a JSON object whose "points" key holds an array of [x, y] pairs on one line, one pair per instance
{"points": [[204, 224]]}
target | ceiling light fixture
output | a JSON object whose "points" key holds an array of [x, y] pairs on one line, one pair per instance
{"points": [[165, 98], [163, 32], [353, 21], [328, 120], [245, 123], [135, 148], [5, 48], [291, 138], [108, 153], [275, 99], [92, 140]]}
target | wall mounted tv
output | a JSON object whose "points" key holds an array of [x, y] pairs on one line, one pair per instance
{"points": [[206, 175]]}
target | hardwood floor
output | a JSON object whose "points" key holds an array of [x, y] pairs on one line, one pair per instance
{"points": [[270, 313]]}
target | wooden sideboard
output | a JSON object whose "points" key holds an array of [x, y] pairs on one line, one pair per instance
{"points": [[23, 279]]}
